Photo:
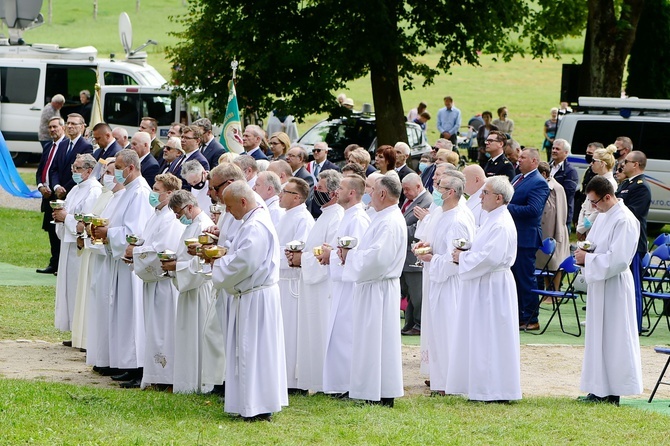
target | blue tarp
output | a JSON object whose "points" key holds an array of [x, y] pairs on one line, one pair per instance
{"points": [[10, 180]]}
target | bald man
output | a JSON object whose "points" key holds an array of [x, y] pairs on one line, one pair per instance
{"points": [[141, 144]]}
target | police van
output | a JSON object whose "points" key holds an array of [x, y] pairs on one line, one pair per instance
{"points": [[129, 88], [645, 121]]}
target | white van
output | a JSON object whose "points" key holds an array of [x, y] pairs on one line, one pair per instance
{"points": [[645, 121]]}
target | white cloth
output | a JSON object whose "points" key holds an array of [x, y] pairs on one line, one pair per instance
{"points": [[314, 301], [474, 203], [126, 314], [163, 231], [589, 212], [445, 292], [84, 285], [276, 211], [294, 225], [288, 126], [104, 265], [485, 364], [612, 348], [81, 198], [201, 195], [376, 366], [192, 306], [255, 375], [339, 331]]}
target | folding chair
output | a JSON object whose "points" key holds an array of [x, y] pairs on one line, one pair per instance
{"points": [[665, 351], [548, 248], [654, 275], [569, 271], [651, 297], [662, 239]]}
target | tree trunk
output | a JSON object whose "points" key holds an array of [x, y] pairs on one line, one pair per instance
{"points": [[607, 45], [389, 112]]}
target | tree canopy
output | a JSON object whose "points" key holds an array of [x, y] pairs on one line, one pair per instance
{"points": [[305, 50]]}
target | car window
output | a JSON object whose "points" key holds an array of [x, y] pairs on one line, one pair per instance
{"points": [[19, 85], [646, 136], [413, 136]]}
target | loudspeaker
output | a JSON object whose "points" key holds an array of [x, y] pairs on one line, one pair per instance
{"points": [[570, 83]]}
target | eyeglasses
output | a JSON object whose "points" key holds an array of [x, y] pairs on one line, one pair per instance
{"points": [[443, 188], [489, 141], [290, 155], [597, 201], [317, 150], [216, 188], [189, 137], [620, 170], [275, 143], [629, 161], [74, 123], [178, 213], [77, 169], [289, 192], [597, 161], [486, 192]]}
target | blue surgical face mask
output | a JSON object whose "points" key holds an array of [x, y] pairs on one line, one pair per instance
{"points": [[118, 174], [77, 177], [185, 221], [366, 199], [422, 167], [154, 199], [437, 198]]}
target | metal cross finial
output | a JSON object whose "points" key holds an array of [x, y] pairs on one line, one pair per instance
{"points": [[234, 65]]}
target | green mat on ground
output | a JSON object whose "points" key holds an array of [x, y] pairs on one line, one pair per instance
{"points": [[658, 405], [11, 275]]}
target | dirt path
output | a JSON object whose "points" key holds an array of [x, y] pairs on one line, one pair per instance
{"points": [[546, 370]]}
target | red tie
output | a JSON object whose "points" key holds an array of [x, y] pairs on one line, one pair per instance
{"points": [[406, 205], [518, 181], [47, 166]]}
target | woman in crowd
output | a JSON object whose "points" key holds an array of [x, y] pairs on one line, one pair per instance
{"points": [[279, 145], [482, 134], [504, 125], [602, 164], [550, 127], [385, 160]]}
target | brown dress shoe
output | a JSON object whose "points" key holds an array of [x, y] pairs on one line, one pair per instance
{"points": [[530, 327]]}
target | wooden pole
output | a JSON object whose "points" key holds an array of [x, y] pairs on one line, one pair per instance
{"points": [[95, 9], [50, 12]]}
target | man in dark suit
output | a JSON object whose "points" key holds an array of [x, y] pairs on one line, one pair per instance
{"points": [[211, 148], [121, 136], [251, 141], [107, 147], [320, 163], [530, 195], [190, 142], [172, 152], [296, 157], [497, 164], [401, 156], [411, 277], [140, 144], [636, 195], [44, 180], [564, 173], [69, 148], [150, 125], [512, 152]]}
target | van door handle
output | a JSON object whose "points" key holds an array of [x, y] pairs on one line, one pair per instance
{"points": [[35, 108]]}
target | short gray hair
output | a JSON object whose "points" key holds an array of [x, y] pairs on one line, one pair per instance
{"points": [[182, 198], [412, 178], [240, 189], [129, 157], [246, 162], [272, 180], [87, 160], [256, 130], [454, 182], [190, 167], [454, 174], [564, 144], [58, 99], [402, 146], [174, 142], [500, 185], [332, 177], [391, 185]]}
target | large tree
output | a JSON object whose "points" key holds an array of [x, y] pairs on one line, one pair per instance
{"points": [[306, 50]]}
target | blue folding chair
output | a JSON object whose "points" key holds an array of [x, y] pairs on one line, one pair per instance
{"points": [[548, 248], [569, 270], [661, 292]]}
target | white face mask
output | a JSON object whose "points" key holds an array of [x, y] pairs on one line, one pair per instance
{"points": [[108, 181]]}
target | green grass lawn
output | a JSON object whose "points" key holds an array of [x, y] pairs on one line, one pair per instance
{"points": [[40, 413]]}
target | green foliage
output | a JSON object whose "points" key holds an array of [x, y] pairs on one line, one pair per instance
{"points": [[40, 413], [305, 50], [648, 70]]}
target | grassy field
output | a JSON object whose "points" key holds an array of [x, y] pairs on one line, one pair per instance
{"points": [[528, 87]]}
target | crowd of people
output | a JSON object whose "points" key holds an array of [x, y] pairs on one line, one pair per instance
{"points": [[184, 267]]}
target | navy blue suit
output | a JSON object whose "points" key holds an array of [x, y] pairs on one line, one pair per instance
{"points": [[195, 156], [112, 150], [568, 177], [257, 154], [427, 177], [60, 171], [526, 207], [212, 152], [149, 169], [369, 170], [54, 241]]}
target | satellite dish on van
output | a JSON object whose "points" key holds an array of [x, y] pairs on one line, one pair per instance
{"points": [[125, 32]]}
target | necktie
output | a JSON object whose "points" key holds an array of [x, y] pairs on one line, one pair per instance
{"points": [[519, 180], [317, 169], [69, 149], [406, 205], [47, 166]]}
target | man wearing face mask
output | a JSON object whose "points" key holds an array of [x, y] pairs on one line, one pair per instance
{"points": [[624, 146], [102, 264], [81, 199], [314, 302], [196, 176], [162, 232], [193, 301], [130, 216], [411, 277], [315, 167]]}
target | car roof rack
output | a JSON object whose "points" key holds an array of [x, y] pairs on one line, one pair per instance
{"points": [[587, 103]]}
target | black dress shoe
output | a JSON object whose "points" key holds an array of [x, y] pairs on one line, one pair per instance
{"points": [[219, 389], [48, 270], [101, 370], [259, 417], [132, 384], [126, 376], [411, 332], [292, 391], [591, 398], [67, 343], [108, 371], [388, 402]]}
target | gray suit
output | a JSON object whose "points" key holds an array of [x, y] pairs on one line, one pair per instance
{"points": [[411, 278]]}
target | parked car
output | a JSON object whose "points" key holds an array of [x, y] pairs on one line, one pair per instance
{"points": [[361, 129]]}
